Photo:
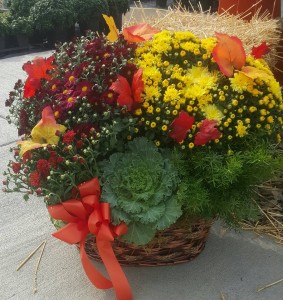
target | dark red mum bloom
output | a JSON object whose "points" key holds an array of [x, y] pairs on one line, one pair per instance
{"points": [[180, 126], [207, 132], [34, 179], [68, 137], [24, 122], [16, 167], [53, 159], [83, 88], [79, 144], [27, 156], [43, 167]]}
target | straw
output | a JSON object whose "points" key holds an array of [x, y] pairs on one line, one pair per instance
{"points": [[270, 285], [36, 268], [29, 256]]}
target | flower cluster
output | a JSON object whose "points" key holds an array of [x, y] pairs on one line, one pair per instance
{"points": [[170, 124], [183, 87]]}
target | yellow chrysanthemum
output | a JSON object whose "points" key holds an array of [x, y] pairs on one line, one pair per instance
{"points": [[241, 129], [240, 82], [171, 93], [212, 112]]}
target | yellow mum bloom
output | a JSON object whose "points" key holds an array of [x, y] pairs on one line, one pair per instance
{"points": [[240, 82], [151, 92], [212, 112], [241, 129], [171, 93]]}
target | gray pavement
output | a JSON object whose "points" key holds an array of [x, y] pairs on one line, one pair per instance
{"points": [[235, 264]]}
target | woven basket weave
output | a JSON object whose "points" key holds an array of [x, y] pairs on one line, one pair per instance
{"points": [[177, 244]]}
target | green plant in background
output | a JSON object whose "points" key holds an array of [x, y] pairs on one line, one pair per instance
{"points": [[116, 9], [140, 185], [89, 14], [90, 9], [21, 25], [53, 14], [20, 8], [122, 6], [4, 23], [18, 17]]}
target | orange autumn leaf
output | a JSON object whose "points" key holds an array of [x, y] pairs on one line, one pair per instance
{"points": [[113, 31], [129, 95], [37, 69], [139, 33], [229, 53]]}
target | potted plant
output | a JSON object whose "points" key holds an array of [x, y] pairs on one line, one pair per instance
{"points": [[116, 9], [89, 13], [137, 141], [20, 8], [4, 28], [15, 31], [55, 19]]}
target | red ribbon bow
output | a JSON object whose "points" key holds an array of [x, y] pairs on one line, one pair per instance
{"points": [[89, 215]]}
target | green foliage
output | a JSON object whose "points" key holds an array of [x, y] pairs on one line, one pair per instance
{"points": [[140, 185], [20, 8], [4, 23], [89, 9], [122, 6], [50, 14], [21, 25], [223, 186]]}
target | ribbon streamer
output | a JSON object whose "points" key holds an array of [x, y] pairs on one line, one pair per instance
{"points": [[89, 215]]}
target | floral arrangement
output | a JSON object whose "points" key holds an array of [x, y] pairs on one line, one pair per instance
{"points": [[172, 126]]}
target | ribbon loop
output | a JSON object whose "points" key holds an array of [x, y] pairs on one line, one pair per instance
{"points": [[89, 215]]}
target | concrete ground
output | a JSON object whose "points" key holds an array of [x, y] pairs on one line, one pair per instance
{"points": [[231, 267]]}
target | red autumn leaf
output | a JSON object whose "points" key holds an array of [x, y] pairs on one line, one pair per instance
{"points": [[36, 70], [137, 85], [180, 126], [229, 53], [207, 132], [128, 95], [139, 33], [261, 50]]}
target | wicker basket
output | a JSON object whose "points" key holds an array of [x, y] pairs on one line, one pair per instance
{"points": [[175, 245]]}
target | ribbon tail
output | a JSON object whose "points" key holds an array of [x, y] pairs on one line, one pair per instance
{"points": [[96, 278], [115, 272]]}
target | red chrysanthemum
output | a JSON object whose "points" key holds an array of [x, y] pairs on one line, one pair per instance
{"points": [[43, 167], [180, 126], [34, 179], [24, 122], [16, 167], [83, 88], [79, 144], [53, 159], [207, 132], [68, 137], [26, 156]]}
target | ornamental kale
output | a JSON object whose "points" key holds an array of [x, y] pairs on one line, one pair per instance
{"points": [[140, 185]]}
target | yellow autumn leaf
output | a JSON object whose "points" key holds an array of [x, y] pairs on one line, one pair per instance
{"points": [[114, 33]]}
